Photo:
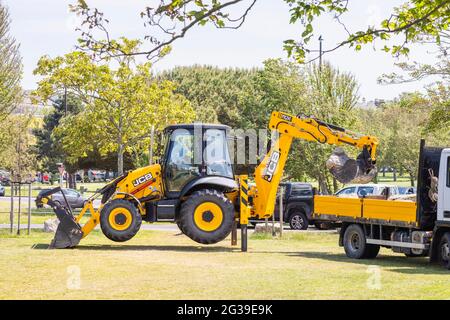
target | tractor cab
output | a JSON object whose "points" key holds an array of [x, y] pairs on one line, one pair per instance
{"points": [[195, 154]]}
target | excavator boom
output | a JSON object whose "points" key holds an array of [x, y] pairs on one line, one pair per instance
{"points": [[268, 173]]}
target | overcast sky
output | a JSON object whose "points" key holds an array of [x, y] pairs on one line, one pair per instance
{"points": [[48, 27]]}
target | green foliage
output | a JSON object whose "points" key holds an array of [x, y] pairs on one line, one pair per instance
{"points": [[120, 104], [17, 140], [409, 22], [48, 150], [216, 94], [399, 125], [10, 67], [439, 120], [279, 86]]}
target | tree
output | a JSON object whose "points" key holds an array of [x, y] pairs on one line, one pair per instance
{"points": [[10, 67], [216, 94], [439, 120], [120, 105], [15, 150], [439, 91], [49, 150], [402, 125], [279, 86], [409, 22], [171, 20]]}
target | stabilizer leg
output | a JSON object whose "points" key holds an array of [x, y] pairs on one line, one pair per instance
{"points": [[244, 211]]}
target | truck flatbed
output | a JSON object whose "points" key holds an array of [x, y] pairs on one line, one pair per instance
{"points": [[400, 213]]}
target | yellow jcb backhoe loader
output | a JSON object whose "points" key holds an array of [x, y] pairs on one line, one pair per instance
{"points": [[194, 184]]}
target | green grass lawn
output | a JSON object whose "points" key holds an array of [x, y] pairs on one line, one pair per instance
{"points": [[166, 265]]}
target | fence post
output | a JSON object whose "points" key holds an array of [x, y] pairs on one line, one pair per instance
{"points": [[273, 226], [19, 207], [281, 211], [11, 213], [29, 209]]}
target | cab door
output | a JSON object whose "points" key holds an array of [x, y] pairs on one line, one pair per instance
{"points": [[180, 166], [444, 187]]}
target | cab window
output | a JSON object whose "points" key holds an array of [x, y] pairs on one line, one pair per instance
{"points": [[350, 190], [448, 172], [216, 156], [367, 190], [180, 161]]}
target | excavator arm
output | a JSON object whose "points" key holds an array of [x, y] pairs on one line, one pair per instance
{"points": [[269, 171]]}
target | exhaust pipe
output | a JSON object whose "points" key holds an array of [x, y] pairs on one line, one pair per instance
{"points": [[347, 170]]}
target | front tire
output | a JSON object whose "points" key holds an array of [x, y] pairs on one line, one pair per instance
{"points": [[444, 250], [120, 220], [206, 216], [298, 221]]}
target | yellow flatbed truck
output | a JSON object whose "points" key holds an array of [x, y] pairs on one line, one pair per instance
{"points": [[420, 228]]}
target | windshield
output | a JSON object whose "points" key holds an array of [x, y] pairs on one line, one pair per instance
{"points": [[365, 190], [216, 156]]}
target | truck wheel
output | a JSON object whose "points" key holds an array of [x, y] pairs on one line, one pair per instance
{"points": [[298, 221], [444, 250], [206, 216], [120, 220], [355, 245]]}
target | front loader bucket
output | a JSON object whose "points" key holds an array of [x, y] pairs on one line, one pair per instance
{"points": [[347, 170], [68, 234]]}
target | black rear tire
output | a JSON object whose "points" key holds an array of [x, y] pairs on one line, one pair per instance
{"points": [[355, 245], [125, 222], [444, 251], [217, 224], [298, 221]]}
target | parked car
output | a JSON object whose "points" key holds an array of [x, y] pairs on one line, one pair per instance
{"points": [[96, 176], [74, 198], [368, 190], [407, 190], [297, 206], [2, 191], [5, 178]]}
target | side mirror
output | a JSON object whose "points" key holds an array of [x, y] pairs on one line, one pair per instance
{"points": [[362, 193]]}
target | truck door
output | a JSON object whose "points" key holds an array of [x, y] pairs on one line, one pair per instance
{"points": [[444, 187]]}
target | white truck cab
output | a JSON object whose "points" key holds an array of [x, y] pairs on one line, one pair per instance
{"points": [[443, 204]]}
